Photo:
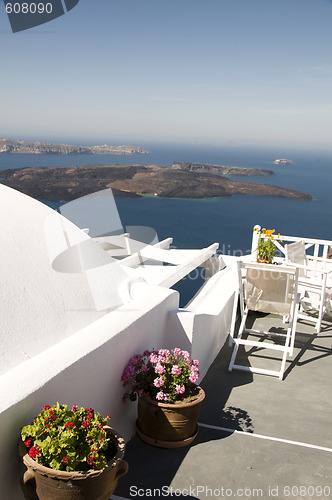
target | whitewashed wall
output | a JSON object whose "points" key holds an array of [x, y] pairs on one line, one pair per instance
{"points": [[61, 340], [84, 369], [206, 321], [39, 305]]}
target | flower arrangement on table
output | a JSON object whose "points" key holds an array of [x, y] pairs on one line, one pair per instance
{"points": [[266, 248], [67, 439], [162, 375]]}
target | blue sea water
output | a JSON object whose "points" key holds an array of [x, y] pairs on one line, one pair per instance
{"points": [[228, 221]]}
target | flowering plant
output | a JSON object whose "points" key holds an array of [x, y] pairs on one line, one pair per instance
{"points": [[266, 249], [67, 439], [162, 375]]}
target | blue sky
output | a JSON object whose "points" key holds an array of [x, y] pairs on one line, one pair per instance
{"points": [[207, 71]]}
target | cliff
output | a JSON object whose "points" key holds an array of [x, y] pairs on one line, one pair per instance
{"points": [[24, 147], [67, 183]]}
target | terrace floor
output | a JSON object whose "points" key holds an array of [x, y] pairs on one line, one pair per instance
{"points": [[258, 437]]}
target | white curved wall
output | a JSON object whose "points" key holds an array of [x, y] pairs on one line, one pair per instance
{"points": [[39, 305]]}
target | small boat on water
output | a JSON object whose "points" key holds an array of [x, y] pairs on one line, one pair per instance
{"points": [[283, 161]]}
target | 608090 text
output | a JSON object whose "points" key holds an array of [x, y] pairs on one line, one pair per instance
{"points": [[29, 8]]}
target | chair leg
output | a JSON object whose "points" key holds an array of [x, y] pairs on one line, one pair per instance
{"points": [[234, 314], [239, 335]]}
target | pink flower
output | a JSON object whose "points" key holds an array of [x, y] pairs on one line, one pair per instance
{"points": [[159, 369], [154, 358], [163, 352], [176, 370], [195, 362], [160, 396], [158, 382], [193, 376], [180, 389], [166, 397]]}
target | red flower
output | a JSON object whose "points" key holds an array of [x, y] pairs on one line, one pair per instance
{"points": [[46, 407], [65, 459], [89, 416], [28, 442], [74, 408], [89, 410], [34, 452], [85, 423], [91, 461], [70, 424]]}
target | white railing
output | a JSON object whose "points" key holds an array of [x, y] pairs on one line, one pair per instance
{"points": [[319, 248]]}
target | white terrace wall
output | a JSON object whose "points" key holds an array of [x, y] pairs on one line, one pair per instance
{"points": [[206, 322], [85, 369], [60, 339]]}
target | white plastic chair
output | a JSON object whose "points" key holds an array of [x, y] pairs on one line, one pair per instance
{"points": [[271, 289], [315, 294]]}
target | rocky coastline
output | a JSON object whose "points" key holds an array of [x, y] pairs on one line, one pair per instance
{"points": [[25, 147], [68, 183]]}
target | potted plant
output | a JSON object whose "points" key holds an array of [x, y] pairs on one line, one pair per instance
{"points": [[169, 401], [266, 249], [71, 453]]}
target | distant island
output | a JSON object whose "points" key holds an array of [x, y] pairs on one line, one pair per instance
{"points": [[176, 181], [38, 148], [283, 161], [220, 169]]}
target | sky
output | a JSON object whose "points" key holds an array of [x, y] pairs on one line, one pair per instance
{"points": [[254, 72]]}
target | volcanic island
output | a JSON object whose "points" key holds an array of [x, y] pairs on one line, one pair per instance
{"points": [[180, 180]]}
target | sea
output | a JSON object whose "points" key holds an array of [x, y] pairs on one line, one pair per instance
{"points": [[228, 220]]}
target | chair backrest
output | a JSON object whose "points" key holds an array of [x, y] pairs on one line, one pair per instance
{"points": [[295, 252], [269, 288]]}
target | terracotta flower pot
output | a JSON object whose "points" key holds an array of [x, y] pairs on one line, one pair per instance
{"points": [[43, 483], [169, 425], [264, 261]]}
